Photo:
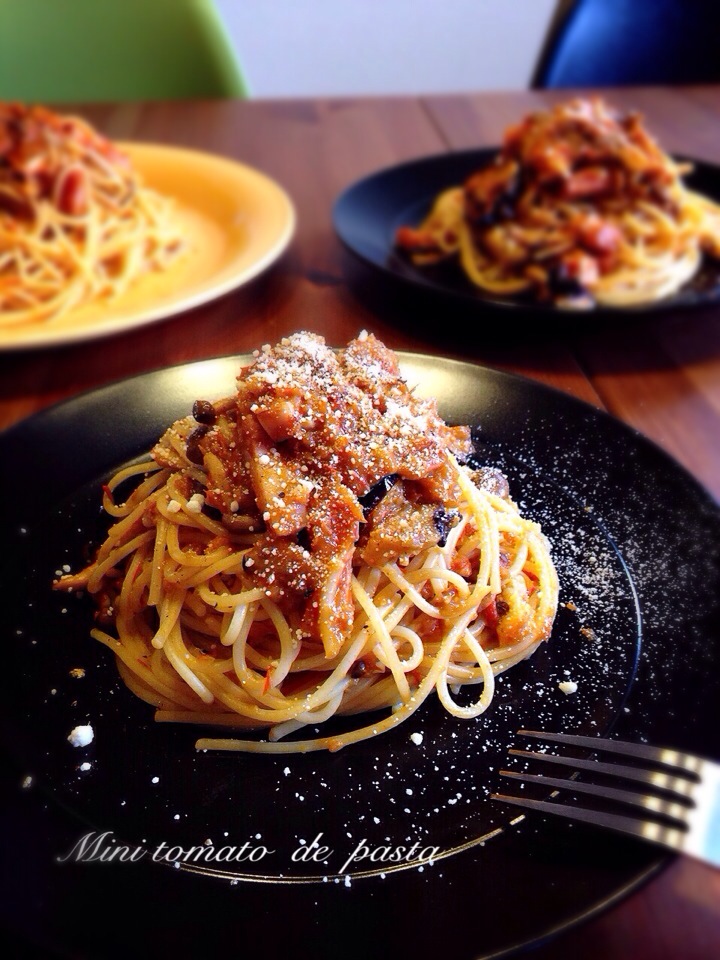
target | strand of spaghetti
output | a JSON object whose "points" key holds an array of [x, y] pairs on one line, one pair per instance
{"points": [[488, 576], [189, 561], [228, 602], [238, 688], [440, 576], [369, 579], [130, 598], [115, 557], [519, 561], [134, 683], [120, 534], [153, 687], [230, 563], [392, 605], [289, 648], [370, 695], [392, 572], [269, 704], [169, 610], [163, 673], [156, 578], [407, 635], [265, 696], [505, 657], [313, 660], [309, 717], [201, 630], [120, 531], [194, 517], [334, 743], [147, 491], [354, 646], [390, 657], [194, 538], [132, 660], [242, 620], [208, 718], [156, 478], [176, 653], [259, 661], [488, 677], [202, 618], [436, 561]]}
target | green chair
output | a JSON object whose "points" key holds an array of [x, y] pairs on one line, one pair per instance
{"points": [[62, 51]]}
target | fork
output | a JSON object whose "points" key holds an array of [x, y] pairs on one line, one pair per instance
{"points": [[682, 812]]}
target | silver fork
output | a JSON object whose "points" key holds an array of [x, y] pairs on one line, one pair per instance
{"points": [[681, 812]]}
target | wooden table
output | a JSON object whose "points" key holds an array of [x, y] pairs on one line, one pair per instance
{"points": [[661, 376]]}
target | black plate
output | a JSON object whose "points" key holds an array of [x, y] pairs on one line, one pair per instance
{"points": [[367, 214], [635, 540]]}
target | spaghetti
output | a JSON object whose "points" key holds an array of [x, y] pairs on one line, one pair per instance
{"points": [[76, 223], [317, 545], [580, 206]]}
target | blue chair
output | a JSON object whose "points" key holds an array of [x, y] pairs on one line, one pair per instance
{"points": [[607, 43], [60, 51]]}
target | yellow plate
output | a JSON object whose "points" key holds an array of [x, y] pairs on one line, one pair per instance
{"points": [[237, 220]]}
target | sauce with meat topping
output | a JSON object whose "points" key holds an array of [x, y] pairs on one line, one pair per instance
{"points": [[309, 434]]}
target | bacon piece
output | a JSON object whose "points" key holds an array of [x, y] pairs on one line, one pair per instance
{"points": [[599, 236], [416, 241], [280, 494], [334, 521], [280, 417], [74, 581], [72, 191], [588, 182], [397, 528], [168, 451], [314, 581], [492, 480]]}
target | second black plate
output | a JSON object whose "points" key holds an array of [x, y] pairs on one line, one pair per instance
{"points": [[367, 214]]}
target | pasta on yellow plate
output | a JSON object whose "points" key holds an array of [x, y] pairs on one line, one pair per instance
{"points": [[580, 207], [316, 545], [76, 223]]}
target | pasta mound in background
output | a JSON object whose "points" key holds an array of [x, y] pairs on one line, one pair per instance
{"points": [[579, 207], [76, 223]]}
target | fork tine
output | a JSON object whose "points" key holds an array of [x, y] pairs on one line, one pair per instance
{"points": [[666, 808], [653, 778], [668, 836], [691, 826], [687, 763]]}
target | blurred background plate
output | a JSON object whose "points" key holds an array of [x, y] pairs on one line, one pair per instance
{"points": [[237, 221], [368, 213]]}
